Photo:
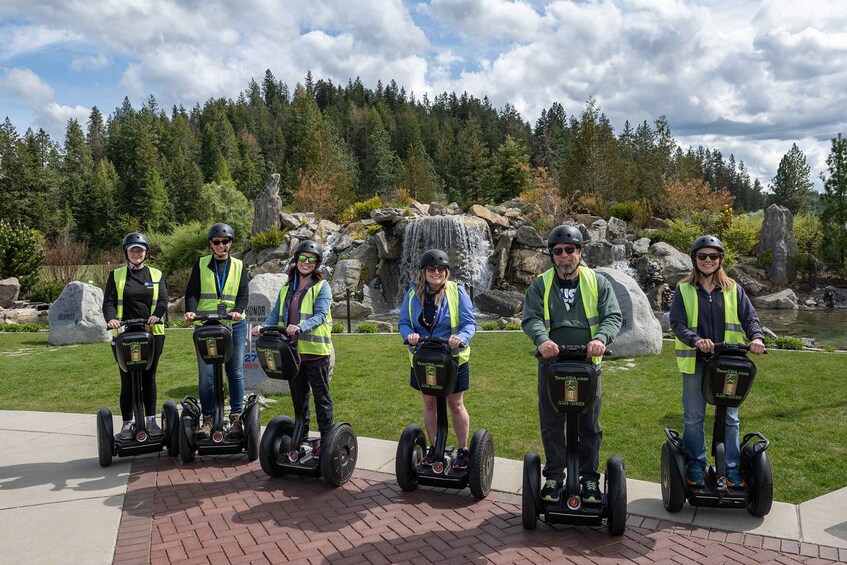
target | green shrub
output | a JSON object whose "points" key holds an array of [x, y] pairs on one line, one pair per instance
{"points": [[808, 233], [177, 281], [271, 238], [788, 342], [21, 253], [367, 328], [337, 328], [681, 234], [28, 327], [742, 237], [361, 210], [489, 326], [373, 229], [46, 291], [181, 248], [179, 323], [512, 326], [829, 348], [635, 212]]}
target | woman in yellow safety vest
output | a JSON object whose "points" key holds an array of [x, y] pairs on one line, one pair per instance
{"points": [[436, 306], [302, 307], [708, 308], [135, 291]]}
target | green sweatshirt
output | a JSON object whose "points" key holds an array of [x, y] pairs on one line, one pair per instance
{"points": [[570, 327]]}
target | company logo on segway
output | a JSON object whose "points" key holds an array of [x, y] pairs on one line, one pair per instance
{"points": [[218, 436], [574, 502], [438, 467], [430, 375], [730, 383], [293, 455], [141, 437], [269, 360], [211, 347], [135, 352], [571, 391]]}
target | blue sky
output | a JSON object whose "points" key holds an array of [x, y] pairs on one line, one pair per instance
{"points": [[748, 78]]}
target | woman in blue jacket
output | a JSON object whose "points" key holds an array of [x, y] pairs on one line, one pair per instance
{"points": [[436, 306]]}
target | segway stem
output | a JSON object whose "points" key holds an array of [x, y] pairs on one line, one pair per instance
{"points": [[137, 402], [299, 416], [572, 431], [441, 429]]}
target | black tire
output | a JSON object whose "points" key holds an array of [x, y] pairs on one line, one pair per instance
{"points": [[170, 425], [531, 491], [410, 452], [481, 467], [186, 439], [105, 437], [275, 440], [616, 495], [759, 485], [252, 429], [339, 454], [673, 489]]}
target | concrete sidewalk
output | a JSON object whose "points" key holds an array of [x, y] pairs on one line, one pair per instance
{"points": [[57, 505]]}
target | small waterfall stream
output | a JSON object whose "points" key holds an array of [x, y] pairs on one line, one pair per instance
{"points": [[465, 239], [620, 262]]}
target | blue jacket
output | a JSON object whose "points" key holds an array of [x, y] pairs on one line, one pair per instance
{"points": [[322, 305], [441, 328]]}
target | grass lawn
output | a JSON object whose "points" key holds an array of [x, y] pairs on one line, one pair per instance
{"points": [[798, 401]]}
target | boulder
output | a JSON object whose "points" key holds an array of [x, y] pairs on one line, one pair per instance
{"points": [[452, 209], [280, 252], [748, 283], [500, 259], [388, 246], [597, 254], [176, 308], [782, 300], [268, 206], [373, 297], [673, 265], [492, 218], [77, 316], [289, 221], [274, 266], [597, 231], [778, 249], [834, 297], [526, 264], [347, 275], [641, 332], [664, 321], [528, 237], [640, 247], [420, 209], [387, 216], [357, 311], [326, 230], [9, 290], [616, 230], [264, 290], [505, 303], [436, 209], [24, 316]]}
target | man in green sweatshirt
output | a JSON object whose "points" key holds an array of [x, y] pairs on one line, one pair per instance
{"points": [[570, 304]]}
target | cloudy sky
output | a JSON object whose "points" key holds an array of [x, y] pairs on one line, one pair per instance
{"points": [[746, 77]]}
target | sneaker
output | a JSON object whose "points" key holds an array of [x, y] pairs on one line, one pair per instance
{"points": [[591, 491], [235, 426], [428, 458], [152, 427], [461, 462], [552, 491], [695, 474], [734, 479], [205, 429], [127, 430]]}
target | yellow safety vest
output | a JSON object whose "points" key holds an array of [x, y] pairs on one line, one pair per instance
{"points": [[319, 340], [209, 299], [686, 357], [587, 291], [451, 294], [120, 283]]}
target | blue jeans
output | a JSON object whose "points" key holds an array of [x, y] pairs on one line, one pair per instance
{"points": [[234, 374], [694, 415]]}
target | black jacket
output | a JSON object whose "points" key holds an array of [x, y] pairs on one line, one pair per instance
{"points": [[192, 291], [710, 318]]}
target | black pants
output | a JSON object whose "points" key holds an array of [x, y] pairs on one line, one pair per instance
{"points": [[148, 384], [314, 376]]}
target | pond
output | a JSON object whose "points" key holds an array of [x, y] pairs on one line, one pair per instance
{"points": [[826, 327]]}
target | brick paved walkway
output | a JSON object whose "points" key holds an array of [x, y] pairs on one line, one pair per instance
{"points": [[226, 510]]}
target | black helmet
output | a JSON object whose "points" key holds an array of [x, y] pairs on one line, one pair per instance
{"points": [[136, 239], [433, 258], [309, 246], [221, 230], [706, 241], [564, 234]]}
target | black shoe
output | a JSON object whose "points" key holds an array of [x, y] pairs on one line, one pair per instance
{"points": [[461, 462], [428, 458], [552, 491], [127, 430], [153, 428], [591, 491], [236, 429]]}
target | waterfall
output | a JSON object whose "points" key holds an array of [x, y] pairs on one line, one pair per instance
{"points": [[620, 262], [465, 239]]}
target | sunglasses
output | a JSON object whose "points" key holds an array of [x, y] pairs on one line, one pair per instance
{"points": [[712, 256], [221, 241], [305, 259], [439, 268], [570, 250]]}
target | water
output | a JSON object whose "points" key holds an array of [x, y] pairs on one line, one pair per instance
{"points": [[620, 263], [465, 239], [826, 327]]}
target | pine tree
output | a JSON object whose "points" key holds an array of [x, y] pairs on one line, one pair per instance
{"points": [[77, 174], [792, 185], [471, 163], [834, 214], [511, 171], [417, 176]]}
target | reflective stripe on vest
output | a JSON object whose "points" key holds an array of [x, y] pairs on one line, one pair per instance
{"points": [[589, 294], [120, 284], [319, 340], [686, 357], [208, 303], [451, 295]]}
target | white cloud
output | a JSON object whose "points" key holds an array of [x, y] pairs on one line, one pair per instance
{"points": [[25, 84], [90, 62], [488, 19], [22, 40]]}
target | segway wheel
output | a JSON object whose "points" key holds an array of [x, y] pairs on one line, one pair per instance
{"points": [[673, 489], [410, 453], [170, 423], [186, 439], [481, 468], [105, 437], [759, 485], [275, 440], [339, 454], [616, 495], [531, 490], [252, 429]]}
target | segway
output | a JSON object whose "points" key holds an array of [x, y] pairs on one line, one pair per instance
{"points": [[335, 460], [727, 378], [571, 388], [213, 342], [435, 371], [133, 350]]}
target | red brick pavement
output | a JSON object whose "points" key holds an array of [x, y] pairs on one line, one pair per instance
{"points": [[226, 510]]}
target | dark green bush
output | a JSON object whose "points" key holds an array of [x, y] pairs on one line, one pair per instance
{"points": [[361, 210], [177, 281], [21, 253], [181, 248], [337, 328], [788, 342], [489, 326], [680, 234], [512, 326], [28, 327], [271, 238], [367, 328], [46, 291]]}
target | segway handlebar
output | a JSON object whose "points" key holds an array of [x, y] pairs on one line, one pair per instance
{"points": [[275, 329], [433, 339], [133, 322], [208, 317], [572, 351], [724, 346]]}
